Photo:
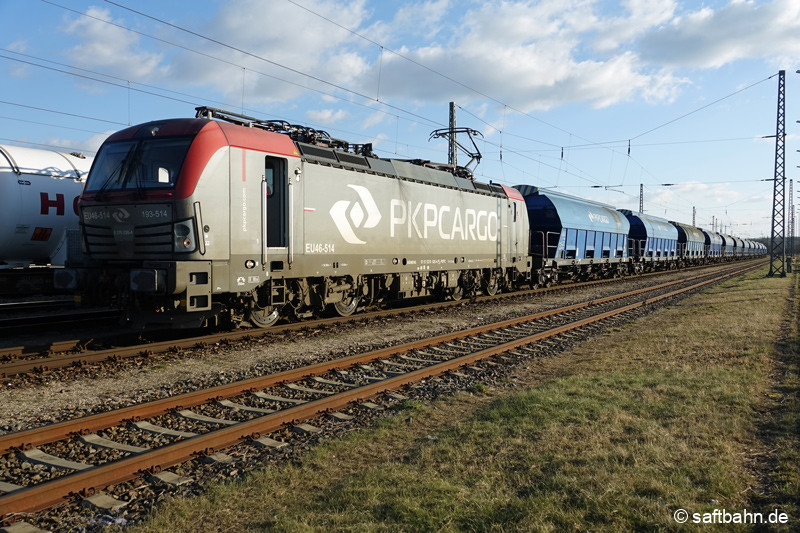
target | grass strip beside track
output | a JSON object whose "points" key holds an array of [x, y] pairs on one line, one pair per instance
{"points": [[693, 407]]}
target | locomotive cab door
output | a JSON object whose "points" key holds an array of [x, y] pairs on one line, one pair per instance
{"points": [[275, 215]]}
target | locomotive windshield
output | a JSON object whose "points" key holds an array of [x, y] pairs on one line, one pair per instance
{"points": [[138, 164]]}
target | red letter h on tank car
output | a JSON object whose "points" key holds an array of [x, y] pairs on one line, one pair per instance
{"points": [[47, 203]]}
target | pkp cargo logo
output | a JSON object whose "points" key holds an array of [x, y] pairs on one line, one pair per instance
{"points": [[121, 215], [363, 214]]}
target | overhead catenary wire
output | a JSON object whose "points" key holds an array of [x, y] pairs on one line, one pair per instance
{"points": [[62, 113], [261, 73], [266, 60], [59, 148], [198, 100], [51, 125], [207, 55], [507, 149], [382, 47]]}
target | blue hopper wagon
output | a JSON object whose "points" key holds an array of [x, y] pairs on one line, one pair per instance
{"points": [[573, 238], [713, 245], [691, 244], [653, 242], [728, 247]]}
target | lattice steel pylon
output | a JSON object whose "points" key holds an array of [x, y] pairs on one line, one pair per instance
{"points": [[777, 249], [452, 146], [791, 220], [641, 197]]}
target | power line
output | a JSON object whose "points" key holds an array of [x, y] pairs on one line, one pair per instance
{"points": [[50, 125], [421, 65], [63, 113], [623, 144], [702, 107], [240, 50], [191, 32], [369, 98], [199, 99], [122, 86], [59, 148], [383, 47], [260, 73], [106, 75]]}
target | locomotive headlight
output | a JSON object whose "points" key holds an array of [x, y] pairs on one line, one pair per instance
{"points": [[183, 233]]}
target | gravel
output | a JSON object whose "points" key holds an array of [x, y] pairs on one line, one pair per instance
{"points": [[66, 395]]}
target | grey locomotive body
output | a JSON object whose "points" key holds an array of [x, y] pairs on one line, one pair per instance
{"points": [[192, 221]]}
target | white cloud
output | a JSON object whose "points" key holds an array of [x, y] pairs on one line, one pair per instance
{"points": [[286, 43], [20, 72], [113, 50], [743, 29], [418, 19], [92, 144], [373, 119], [20, 45], [688, 194], [326, 116], [531, 55], [642, 15]]}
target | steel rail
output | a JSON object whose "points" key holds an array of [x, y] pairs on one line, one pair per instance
{"points": [[43, 364], [43, 435], [6, 307], [87, 482], [76, 317]]}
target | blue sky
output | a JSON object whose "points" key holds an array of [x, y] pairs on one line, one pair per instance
{"points": [[557, 87]]}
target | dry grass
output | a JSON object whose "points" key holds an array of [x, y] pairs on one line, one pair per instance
{"points": [[673, 411]]}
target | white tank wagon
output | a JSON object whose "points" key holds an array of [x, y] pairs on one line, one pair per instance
{"points": [[39, 191]]}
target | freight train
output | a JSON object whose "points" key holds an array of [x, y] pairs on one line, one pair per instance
{"points": [[39, 191], [225, 218]]}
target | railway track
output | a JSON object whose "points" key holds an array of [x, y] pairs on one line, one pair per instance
{"points": [[24, 281], [32, 305], [147, 439], [67, 318], [19, 360]]}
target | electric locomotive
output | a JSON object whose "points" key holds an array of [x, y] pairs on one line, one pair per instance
{"points": [[226, 218]]}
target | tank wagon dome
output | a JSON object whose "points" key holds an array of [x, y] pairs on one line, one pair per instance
{"points": [[555, 210], [35, 162], [38, 191]]}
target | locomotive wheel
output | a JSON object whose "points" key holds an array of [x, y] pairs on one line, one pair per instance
{"points": [[490, 286], [263, 317], [346, 307], [456, 293]]}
